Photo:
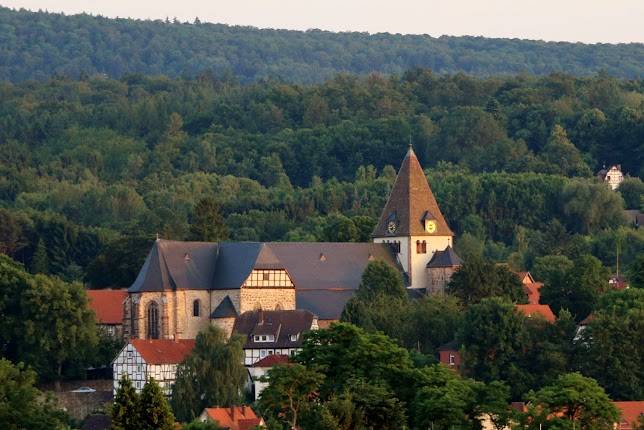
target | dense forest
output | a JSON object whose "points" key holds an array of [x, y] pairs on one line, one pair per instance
{"points": [[35, 45], [89, 167]]}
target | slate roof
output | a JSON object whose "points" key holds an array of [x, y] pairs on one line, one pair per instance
{"points": [[445, 258], [107, 305], [411, 200], [326, 304], [281, 324], [325, 274], [329, 265], [225, 309], [237, 259], [163, 351], [174, 265]]}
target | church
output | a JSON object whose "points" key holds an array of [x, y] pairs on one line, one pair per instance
{"points": [[185, 286]]}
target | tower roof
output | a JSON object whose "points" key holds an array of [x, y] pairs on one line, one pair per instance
{"points": [[410, 203], [445, 258]]}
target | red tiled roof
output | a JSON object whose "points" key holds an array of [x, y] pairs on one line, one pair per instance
{"points": [[410, 202], [163, 351], [249, 424], [630, 414], [542, 310], [587, 320], [524, 275], [234, 418], [272, 360], [107, 305], [533, 292]]}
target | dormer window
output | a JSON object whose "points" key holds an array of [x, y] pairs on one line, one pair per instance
{"points": [[294, 337], [264, 338]]}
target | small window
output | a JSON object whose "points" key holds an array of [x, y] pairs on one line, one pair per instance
{"points": [[452, 359], [270, 352], [262, 353], [294, 338], [423, 247], [196, 308], [267, 276]]}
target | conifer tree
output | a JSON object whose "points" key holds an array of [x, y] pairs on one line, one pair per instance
{"points": [[207, 223], [40, 261], [125, 409], [154, 410]]}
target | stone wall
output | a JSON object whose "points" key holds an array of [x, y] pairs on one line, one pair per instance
{"points": [[266, 298], [226, 324]]}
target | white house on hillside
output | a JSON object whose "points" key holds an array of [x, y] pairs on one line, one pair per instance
{"points": [[158, 358]]}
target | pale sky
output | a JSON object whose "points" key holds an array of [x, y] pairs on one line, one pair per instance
{"points": [[587, 21]]}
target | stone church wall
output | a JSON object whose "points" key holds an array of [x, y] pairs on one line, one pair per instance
{"points": [[267, 298]]}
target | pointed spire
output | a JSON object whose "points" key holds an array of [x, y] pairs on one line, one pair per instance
{"points": [[410, 203]]}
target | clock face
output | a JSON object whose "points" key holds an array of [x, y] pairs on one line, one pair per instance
{"points": [[391, 227], [430, 226]]}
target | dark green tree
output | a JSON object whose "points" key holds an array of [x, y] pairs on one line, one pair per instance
{"points": [[379, 278], [40, 260], [154, 410], [494, 337], [291, 391], [572, 401], [576, 289], [125, 408], [207, 224], [22, 405], [636, 272], [119, 262], [477, 279], [340, 228], [615, 361], [213, 374]]}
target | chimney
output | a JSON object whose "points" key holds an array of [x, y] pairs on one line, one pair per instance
{"points": [[232, 414]]}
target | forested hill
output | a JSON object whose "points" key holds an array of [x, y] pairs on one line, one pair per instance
{"points": [[35, 45]]}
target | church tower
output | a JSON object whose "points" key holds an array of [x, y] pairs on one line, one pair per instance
{"points": [[412, 223]]}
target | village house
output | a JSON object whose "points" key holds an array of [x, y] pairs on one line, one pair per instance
{"points": [[185, 286], [631, 415], [613, 176], [232, 418], [273, 332], [108, 309], [449, 355], [141, 359], [258, 369]]}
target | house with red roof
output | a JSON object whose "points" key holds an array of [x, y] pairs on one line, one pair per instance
{"points": [[631, 415], [141, 359], [537, 311], [233, 418], [259, 369], [108, 307]]}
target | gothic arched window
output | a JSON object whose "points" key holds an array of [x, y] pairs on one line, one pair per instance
{"points": [[153, 321], [196, 308], [424, 247], [278, 307]]}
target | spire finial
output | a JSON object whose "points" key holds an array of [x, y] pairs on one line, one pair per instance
{"points": [[158, 236], [410, 145]]}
